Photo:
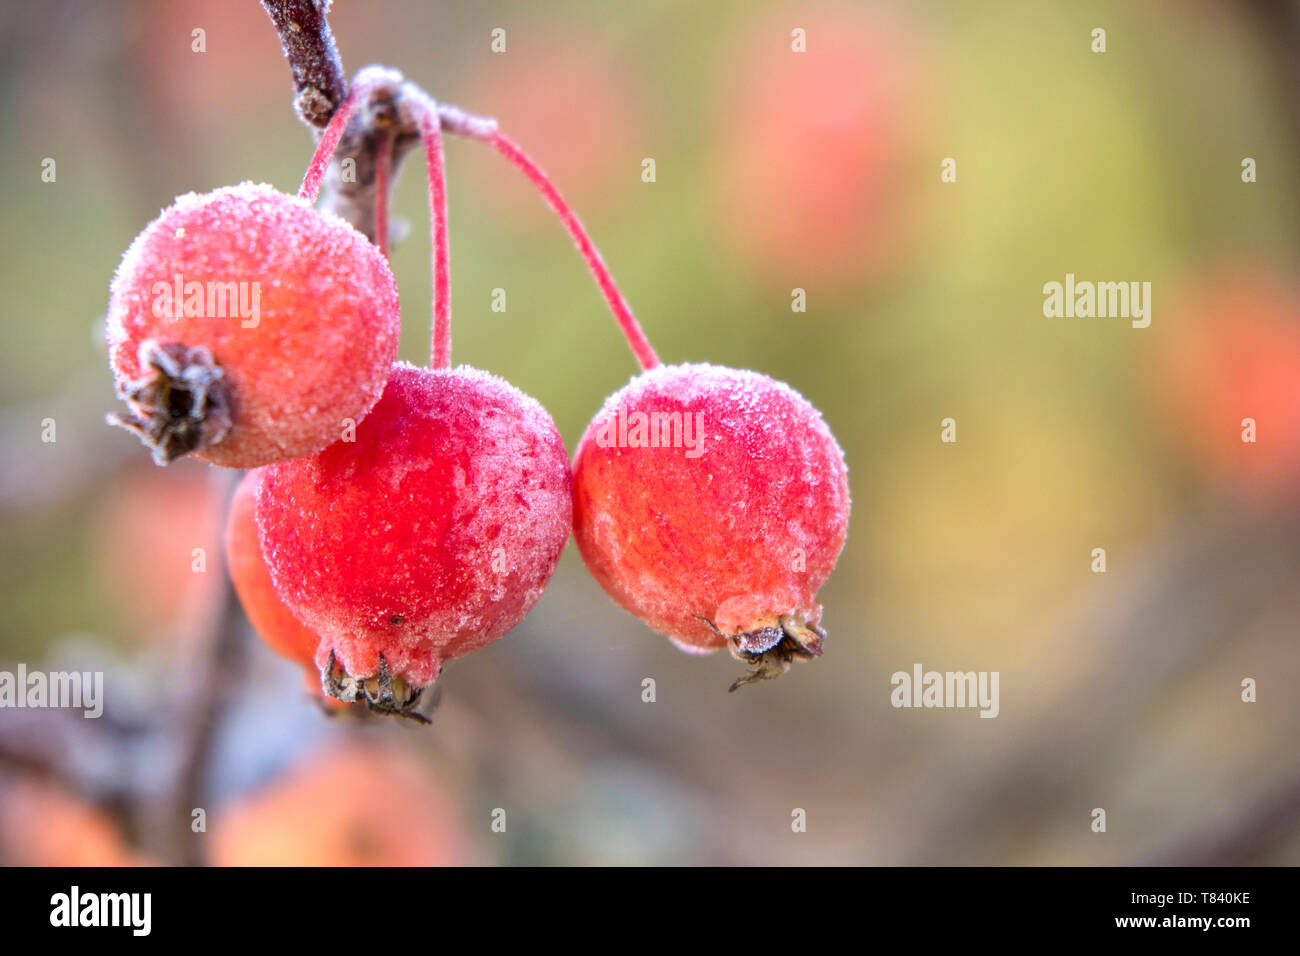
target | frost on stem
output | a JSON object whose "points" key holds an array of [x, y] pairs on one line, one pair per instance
{"points": [[179, 404], [631, 328], [373, 96], [429, 122], [308, 45], [383, 165]]}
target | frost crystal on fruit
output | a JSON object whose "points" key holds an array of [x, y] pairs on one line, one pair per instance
{"points": [[429, 536], [723, 540], [245, 328]]}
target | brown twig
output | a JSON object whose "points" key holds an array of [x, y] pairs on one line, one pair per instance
{"points": [[202, 696], [320, 87], [1241, 834], [1277, 23], [1176, 610], [313, 56]]}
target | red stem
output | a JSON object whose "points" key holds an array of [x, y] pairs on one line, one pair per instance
{"points": [[431, 133], [383, 166], [636, 338], [329, 141]]}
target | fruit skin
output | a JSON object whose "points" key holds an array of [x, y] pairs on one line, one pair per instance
{"points": [[285, 634], [42, 824], [430, 535], [726, 547], [317, 350], [350, 805], [274, 622]]}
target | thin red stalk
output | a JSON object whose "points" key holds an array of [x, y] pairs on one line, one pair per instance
{"points": [[383, 166], [431, 133], [636, 338], [329, 141]]}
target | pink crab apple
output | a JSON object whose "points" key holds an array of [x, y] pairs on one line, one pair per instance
{"points": [[245, 328], [712, 503], [429, 536]]}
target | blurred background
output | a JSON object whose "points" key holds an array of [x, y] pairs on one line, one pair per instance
{"points": [[774, 171]]}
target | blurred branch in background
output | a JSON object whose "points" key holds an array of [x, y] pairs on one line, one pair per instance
{"points": [[204, 688], [85, 453], [1278, 26], [1179, 605], [1239, 834], [112, 760]]}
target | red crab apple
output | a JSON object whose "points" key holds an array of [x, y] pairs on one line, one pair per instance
{"points": [[43, 824], [245, 328], [712, 503], [809, 171], [326, 812], [273, 622], [149, 529], [580, 109], [1234, 355], [283, 632], [429, 536]]}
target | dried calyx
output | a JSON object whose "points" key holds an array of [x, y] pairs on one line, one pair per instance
{"points": [[772, 647], [383, 693], [179, 404]]}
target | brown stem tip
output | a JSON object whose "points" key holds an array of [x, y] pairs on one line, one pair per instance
{"points": [[180, 403]]}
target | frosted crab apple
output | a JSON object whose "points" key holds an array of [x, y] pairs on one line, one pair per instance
{"points": [[713, 503], [429, 536], [274, 622], [283, 632], [245, 328]]}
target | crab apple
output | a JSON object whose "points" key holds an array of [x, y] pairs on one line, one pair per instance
{"points": [[1227, 379], [43, 824], [283, 632], [583, 111], [429, 536], [820, 136], [245, 328], [712, 503], [325, 811], [149, 530]]}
